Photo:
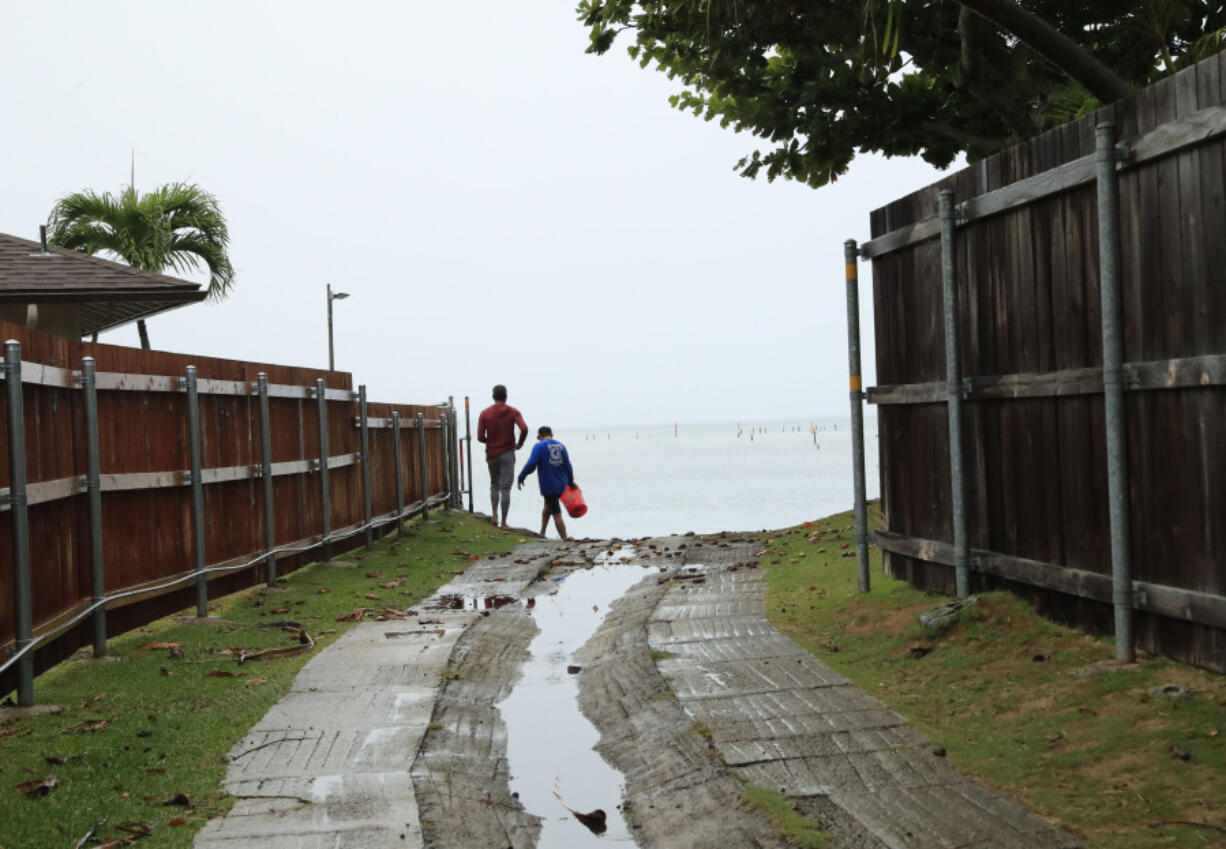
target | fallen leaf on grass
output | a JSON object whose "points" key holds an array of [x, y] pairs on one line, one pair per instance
{"points": [[156, 770], [371, 596], [255, 682], [356, 616], [165, 672], [162, 645], [280, 610], [95, 726], [322, 590], [181, 799], [135, 830], [177, 821], [37, 787], [391, 585], [374, 574], [219, 673]]}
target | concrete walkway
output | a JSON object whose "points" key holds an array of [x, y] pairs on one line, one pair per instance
{"points": [[391, 737]]}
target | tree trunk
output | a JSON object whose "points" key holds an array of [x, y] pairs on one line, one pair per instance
{"points": [[144, 334], [1055, 46]]}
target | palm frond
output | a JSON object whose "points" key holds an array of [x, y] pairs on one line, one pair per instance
{"points": [[177, 226]]}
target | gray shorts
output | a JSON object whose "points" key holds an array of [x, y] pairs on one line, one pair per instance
{"points": [[502, 470]]}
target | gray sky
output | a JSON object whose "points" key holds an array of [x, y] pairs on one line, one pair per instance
{"points": [[501, 206]]}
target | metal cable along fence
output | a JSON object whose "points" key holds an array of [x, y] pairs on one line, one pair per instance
{"points": [[17, 498]]}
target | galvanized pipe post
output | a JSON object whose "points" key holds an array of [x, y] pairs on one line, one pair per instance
{"points": [[370, 531], [953, 382], [421, 465], [850, 257], [446, 455], [325, 493], [270, 518], [197, 482], [457, 452], [1113, 388], [468, 437], [22, 601], [399, 481], [93, 479], [456, 447]]}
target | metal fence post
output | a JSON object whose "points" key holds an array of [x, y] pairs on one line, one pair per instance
{"points": [[953, 378], [370, 532], [445, 431], [325, 494], [22, 602], [1113, 388], [399, 481], [468, 437], [197, 482], [421, 465], [850, 258], [457, 452], [270, 519], [93, 475]]}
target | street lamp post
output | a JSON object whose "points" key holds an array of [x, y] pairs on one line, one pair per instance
{"points": [[332, 296]]}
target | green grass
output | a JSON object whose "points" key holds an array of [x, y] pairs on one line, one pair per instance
{"points": [[1036, 709], [792, 825], [169, 723]]}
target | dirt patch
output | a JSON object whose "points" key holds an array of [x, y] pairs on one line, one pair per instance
{"points": [[895, 621]]}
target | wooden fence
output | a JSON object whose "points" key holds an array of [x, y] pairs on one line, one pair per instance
{"points": [[1029, 318], [144, 449]]}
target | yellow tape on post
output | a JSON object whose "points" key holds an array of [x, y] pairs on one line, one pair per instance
{"points": [[851, 271], [855, 383]]}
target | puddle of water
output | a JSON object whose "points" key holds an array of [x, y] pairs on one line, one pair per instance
{"points": [[452, 601], [549, 741]]}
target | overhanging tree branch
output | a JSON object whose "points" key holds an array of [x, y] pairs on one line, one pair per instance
{"points": [[1062, 51]]}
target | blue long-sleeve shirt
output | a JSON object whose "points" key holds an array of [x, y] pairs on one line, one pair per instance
{"points": [[552, 466]]}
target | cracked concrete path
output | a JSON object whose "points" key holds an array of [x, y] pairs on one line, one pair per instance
{"points": [[391, 736], [783, 720], [329, 765]]}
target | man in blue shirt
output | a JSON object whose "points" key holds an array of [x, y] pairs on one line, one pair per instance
{"points": [[553, 472]]}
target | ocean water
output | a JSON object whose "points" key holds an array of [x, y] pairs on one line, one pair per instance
{"points": [[654, 481]]}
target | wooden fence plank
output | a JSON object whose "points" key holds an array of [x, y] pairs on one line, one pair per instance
{"points": [[1030, 315], [144, 443]]}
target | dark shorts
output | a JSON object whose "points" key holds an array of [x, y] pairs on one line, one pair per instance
{"points": [[553, 504]]}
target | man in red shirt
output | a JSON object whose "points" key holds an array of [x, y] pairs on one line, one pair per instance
{"points": [[496, 428]]}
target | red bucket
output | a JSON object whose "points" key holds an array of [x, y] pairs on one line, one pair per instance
{"points": [[572, 500]]}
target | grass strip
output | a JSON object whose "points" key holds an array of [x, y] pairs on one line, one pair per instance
{"points": [[143, 734], [1124, 756], [790, 823]]}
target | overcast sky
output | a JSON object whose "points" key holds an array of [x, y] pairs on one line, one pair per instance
{"points": [[501, 206]]}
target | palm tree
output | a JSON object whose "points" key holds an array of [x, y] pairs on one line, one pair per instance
{"points": [[177, 226]]}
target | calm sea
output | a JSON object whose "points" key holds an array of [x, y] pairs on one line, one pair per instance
{"points": [[652, 481]]}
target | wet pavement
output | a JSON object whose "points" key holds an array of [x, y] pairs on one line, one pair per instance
{"points": [[474, 725]]}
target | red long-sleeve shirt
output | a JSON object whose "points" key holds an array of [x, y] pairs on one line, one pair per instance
{"points": [[496, 428]]}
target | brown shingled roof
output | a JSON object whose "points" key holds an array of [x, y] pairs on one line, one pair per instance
{"points": [[110, 293]]}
